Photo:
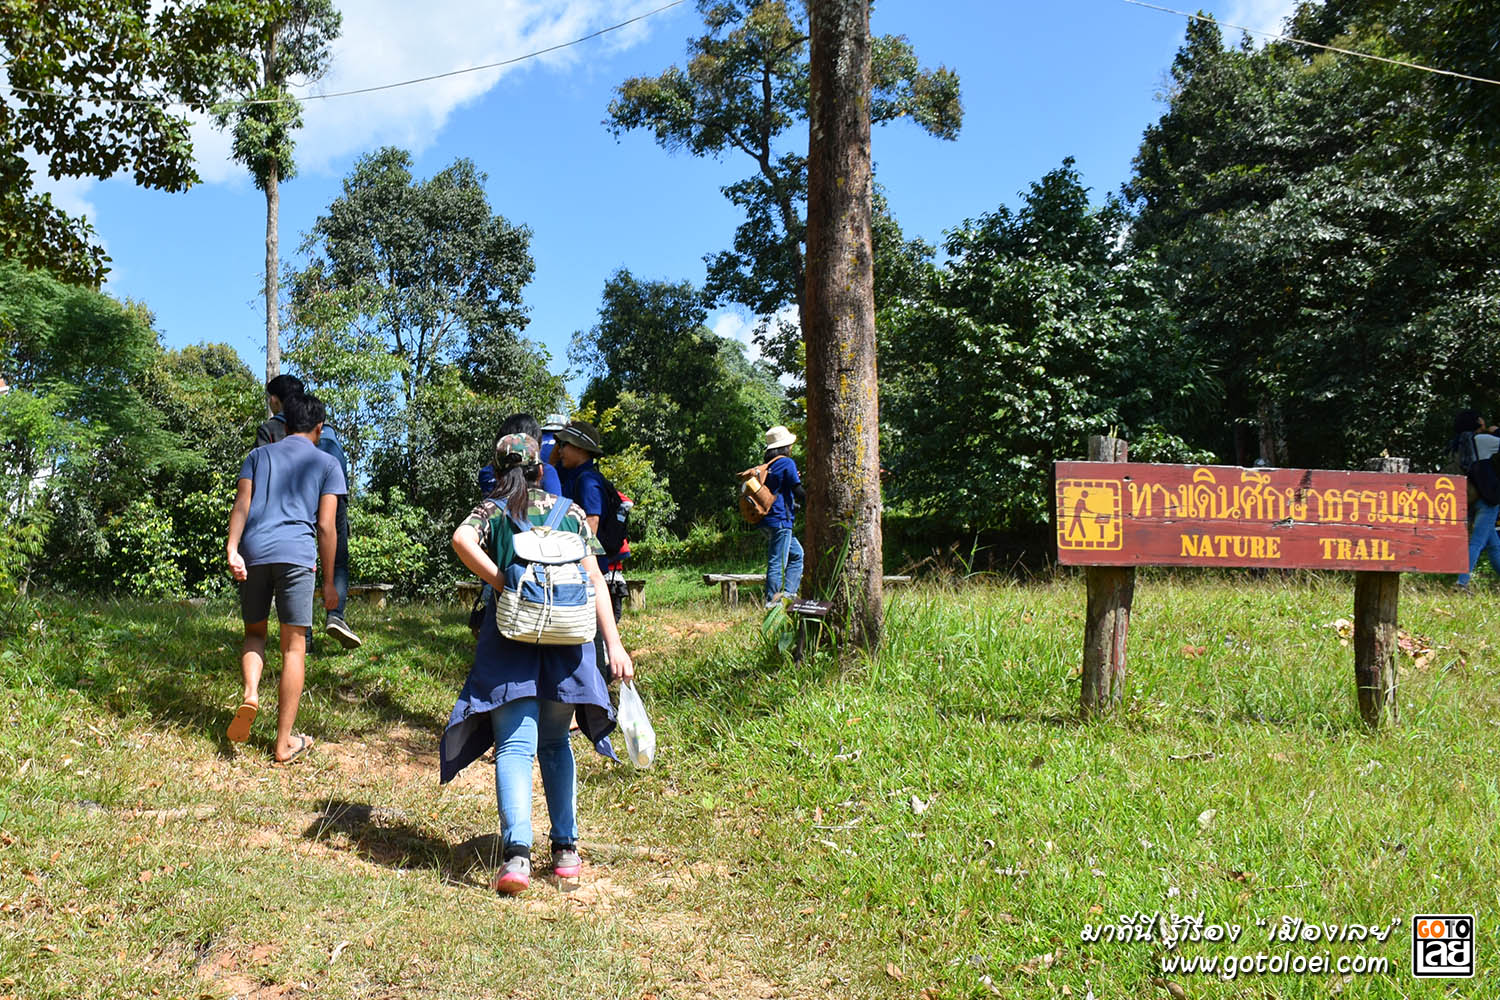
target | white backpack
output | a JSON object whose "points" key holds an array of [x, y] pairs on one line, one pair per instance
{"points": [[548, 599]]}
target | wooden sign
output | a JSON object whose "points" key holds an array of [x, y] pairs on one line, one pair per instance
{"points": [[1134, 514]]}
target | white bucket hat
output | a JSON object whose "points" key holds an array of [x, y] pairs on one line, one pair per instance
{"points": [[779, 437]]}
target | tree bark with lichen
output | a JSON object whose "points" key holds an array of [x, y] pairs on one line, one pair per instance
{"points": [[843, 410]]}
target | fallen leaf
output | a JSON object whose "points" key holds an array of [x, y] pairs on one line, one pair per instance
{"points": [[1241, 876], [1206, 818], [146, 876], [1037, 762], [1192, 652], [894, 971], [918, 806], [1095, 910], [338, 950]]}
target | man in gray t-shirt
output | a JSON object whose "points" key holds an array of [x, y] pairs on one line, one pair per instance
{"points": [[281, 527]]}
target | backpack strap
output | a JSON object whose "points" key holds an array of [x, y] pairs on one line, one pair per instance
{"points": [[559, 511]]}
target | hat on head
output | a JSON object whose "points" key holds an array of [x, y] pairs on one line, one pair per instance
{"points": [[517, 449], [779, 437], [581, 434], [554, 422]]}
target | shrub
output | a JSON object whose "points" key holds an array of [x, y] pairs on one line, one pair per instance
{"points": [[142, 556], [384, 540]]}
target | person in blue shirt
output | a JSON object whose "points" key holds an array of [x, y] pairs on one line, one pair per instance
{"points": [[280, 530], [783, 551], [522, 423], [273, 429]]}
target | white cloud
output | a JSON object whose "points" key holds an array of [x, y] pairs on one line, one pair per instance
{"points": [[1259, 15], [387, 41], [737, 325]]}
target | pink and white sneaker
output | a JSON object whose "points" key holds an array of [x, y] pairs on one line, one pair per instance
{"points": [[514, 877], [565, 861]]}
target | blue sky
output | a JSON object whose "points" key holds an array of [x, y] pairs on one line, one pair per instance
{"points": [[1041, 81]]}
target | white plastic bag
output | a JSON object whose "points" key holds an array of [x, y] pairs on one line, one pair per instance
{"points": [[640, 738]]}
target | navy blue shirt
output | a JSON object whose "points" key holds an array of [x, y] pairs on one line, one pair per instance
{"points": [[287, 479], [782, 480], [584, 486]]}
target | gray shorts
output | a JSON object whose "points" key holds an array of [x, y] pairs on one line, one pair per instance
{"points": [[292, 586]]}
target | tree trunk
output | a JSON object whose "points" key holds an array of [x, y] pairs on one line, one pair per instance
{"points": [[273, 260], [844, 558]]}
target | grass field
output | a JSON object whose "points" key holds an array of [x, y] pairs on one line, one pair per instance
{"points": [[933, 822]]}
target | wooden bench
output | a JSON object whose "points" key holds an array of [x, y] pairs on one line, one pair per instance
{"points": [[373, 594], [729, 583]]}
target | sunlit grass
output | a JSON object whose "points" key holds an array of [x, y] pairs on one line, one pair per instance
{"points": [[933, 819]]}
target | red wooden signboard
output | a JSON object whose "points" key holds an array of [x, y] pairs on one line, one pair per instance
{"points": [[1132, 514]]}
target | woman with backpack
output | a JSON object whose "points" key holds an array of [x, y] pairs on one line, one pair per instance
{"points": [[783, 551], [1475, 444], [523, 692]]}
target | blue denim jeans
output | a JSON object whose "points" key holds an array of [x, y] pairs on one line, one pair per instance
{"points": [[783, 561], [526, 728], [1483, 539]]}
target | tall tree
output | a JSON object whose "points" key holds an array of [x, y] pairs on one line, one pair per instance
{"points": [[745, 90], [844, 554], [425, 266], [290, 44], [99, 87], [1332, 241]]}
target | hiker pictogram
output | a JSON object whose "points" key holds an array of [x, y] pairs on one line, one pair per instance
{"points": [[1089, 514]]}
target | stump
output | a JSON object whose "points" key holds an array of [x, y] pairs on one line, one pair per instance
{"points": [[635, 594]]}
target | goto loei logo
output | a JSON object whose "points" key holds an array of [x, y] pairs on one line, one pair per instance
{"points": [[1442, 945]]}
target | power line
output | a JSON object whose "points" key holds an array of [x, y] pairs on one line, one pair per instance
{"points": [[1316, 45], [363, 90]]}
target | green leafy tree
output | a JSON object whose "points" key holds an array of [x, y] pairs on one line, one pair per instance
{"points": [[77, 361], [685, 395], [97, 88], [744, 91], [1331, 243], [289, 44], [1036, 333], [423, 265], [211, 402]]}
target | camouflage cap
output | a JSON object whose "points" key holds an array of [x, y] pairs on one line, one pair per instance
{"points": [[517, 449]]}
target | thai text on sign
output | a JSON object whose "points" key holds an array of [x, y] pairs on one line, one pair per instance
{"points": [[1134, 514]]}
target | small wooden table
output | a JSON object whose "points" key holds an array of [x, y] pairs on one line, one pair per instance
{"points": [[374, 594]]}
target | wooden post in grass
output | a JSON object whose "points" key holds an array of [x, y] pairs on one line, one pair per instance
{"points": [[1111, 590], [1376, 596]]}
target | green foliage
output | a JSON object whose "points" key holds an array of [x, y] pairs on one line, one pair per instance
{"points": [[81, 361], [685, 397], [1331, 243], [66, 64], [631, 471], [384, 545], [425, 266], [288, 41], [140, 557], [745, 89], [1034, 335]]}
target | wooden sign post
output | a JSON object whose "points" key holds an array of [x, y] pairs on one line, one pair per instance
{"points": [[1117, 514]]}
